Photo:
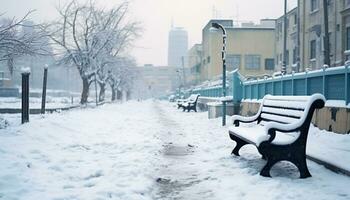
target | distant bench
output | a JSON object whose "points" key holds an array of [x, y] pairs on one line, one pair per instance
{"points": [[279, 130], [188, 104]]}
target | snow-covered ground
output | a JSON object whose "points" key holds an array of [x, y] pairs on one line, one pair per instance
{"points": [[145, 150]]}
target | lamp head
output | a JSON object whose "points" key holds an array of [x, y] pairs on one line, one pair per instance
{"points": [[215, 25], [214, 28]]}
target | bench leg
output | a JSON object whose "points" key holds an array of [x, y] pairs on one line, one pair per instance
{"points": [[302, 166], [265, 171], [239, 144], [293, 153]]}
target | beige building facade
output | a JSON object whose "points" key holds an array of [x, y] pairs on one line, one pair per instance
{"points": [[250, 48], [193, 66]]}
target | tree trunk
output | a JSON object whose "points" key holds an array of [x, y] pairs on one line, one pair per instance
{"points": [[85, 92], [101, 96], [119, 95], [113, 93]]}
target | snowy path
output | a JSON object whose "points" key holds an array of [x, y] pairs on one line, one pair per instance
{"points": [[143, 150]]}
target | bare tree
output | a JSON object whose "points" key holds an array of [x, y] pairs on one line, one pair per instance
{"points": [[121, 76], [87, 36], [14, 42]]}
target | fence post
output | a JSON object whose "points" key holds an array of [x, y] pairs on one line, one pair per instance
{"points": [[257, 87], [282, 85], [273, 86], [43, 95], [237, 86], [324, 82], [306, 86], [251, 90], [243, 86], [292, 83], [25, 95]]}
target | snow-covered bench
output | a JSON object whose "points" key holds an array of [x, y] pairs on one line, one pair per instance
{"points": [[189, 104], [279, 130]]}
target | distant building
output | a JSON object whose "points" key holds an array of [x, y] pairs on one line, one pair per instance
{"points": [[250, 48], [194, 59], [155, 81], [177, 47]]}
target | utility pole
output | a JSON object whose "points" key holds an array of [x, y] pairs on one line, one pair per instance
{"points": [[284, 63], [326, 34]]}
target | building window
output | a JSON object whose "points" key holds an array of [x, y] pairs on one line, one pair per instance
{"points": [[348, 38], [252, 61], [313, 49], [314, 5], [208, 59], [295, 19], [347, 3], [269, 64], [233, 61], [287, 57], [295, 55]]}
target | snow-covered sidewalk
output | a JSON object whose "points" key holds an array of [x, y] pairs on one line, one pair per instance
{"points": [[143, 150]]}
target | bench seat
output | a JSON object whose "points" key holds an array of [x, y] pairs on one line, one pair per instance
{"points": [[255, 134]]}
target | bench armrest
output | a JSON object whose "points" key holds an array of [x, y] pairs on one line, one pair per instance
{"points": [[282, 127], [272, 127], [238, 118]]}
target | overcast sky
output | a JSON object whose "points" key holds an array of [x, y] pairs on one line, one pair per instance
{"points": [[156, 17]]}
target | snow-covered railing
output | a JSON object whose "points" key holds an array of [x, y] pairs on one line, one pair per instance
{"points": [[333, 83]]}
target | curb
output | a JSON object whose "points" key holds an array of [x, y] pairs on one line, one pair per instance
{"points": [[328, 165]]}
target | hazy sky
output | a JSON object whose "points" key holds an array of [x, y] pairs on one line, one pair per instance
{"points": [[156, 17]]}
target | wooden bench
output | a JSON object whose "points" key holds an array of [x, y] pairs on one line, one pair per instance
{"points": [[279, 130], [189, 104]]}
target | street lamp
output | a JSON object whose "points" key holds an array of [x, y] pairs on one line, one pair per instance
{"points": [[216, 26]]}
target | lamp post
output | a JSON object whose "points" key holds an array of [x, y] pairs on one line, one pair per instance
{"points": [[216, 26]]}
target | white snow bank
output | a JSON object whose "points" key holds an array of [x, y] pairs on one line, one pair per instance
{"points": [[117, 152]]}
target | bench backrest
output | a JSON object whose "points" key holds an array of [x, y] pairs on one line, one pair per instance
{"points": [[193, 98], [288, 109]]}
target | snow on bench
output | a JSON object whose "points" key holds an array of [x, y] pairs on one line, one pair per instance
{"points": [[189, 104], [279, 130]]}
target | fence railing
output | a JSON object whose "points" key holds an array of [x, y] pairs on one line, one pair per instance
{"points": [[333, 83], [209, 92]]}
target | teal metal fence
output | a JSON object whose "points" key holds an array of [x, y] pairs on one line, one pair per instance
{"points": [[333, 83]]}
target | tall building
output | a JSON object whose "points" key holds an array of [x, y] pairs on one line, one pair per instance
{"points": [[177, 47], [249, 47]]}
